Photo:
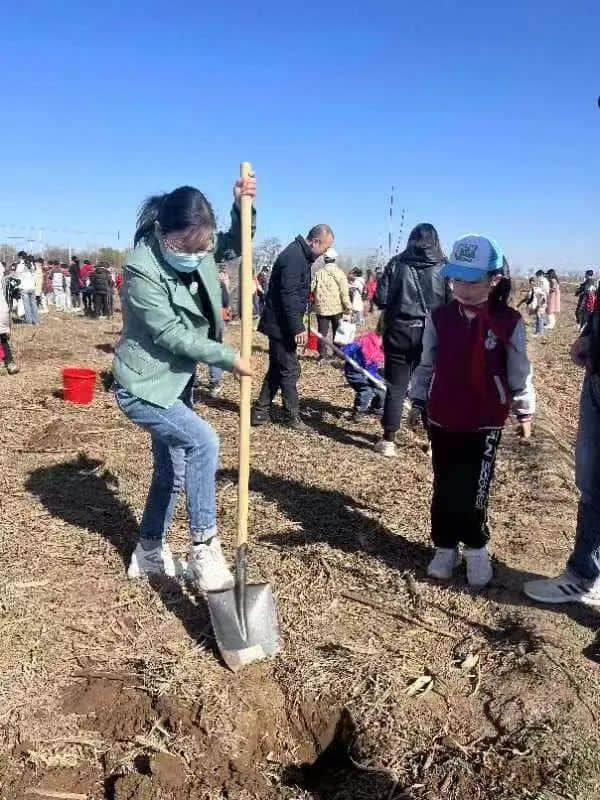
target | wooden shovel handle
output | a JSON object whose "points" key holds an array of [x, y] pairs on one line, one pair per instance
{"points": [[246, 352]]}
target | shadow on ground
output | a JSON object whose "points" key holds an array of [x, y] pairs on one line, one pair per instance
{"points": [[336, 519], [343, 431], [84, 494]]}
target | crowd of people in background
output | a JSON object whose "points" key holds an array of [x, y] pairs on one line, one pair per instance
{"points": [[32, 286], [542, 301]]}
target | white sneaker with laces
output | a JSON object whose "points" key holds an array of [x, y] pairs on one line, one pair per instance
{"points": [[443, 563], [479, 566], [158, 560], [385, 448], [207, 568], [565, 588]]}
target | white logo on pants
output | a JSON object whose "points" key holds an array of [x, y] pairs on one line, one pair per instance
{"points": [[487, 464]]}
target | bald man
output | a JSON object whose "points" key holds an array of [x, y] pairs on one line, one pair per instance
{"points": [[283, 322]]}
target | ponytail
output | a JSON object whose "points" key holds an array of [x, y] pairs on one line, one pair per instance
{"points": [[148, 217]]}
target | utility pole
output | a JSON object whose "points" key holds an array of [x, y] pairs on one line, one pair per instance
{"points": [[390, 228], [401, 231]]}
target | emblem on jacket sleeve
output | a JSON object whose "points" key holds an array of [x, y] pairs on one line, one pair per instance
{"points": [[490, 340]]}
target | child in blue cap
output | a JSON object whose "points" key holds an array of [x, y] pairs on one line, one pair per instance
{"points": [[473, 370]]}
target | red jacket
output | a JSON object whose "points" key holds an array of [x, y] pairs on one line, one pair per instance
{"points": [[371, 288], [470, 388], [85, 271]]}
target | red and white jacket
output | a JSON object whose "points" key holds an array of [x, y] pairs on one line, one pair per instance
{"points": [[473, 369]]}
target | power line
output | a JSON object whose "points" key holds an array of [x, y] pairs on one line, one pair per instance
{"points": [[44, 229]]}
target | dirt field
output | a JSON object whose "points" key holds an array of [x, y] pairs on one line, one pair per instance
{"points": [[113, 689]]}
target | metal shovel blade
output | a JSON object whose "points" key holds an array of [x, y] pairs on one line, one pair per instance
{"points": [[245, 623]]}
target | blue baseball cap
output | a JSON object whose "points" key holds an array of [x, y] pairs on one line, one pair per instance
{"points": [[473, 258]]}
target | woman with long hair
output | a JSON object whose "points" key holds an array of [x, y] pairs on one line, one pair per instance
{"points": [[172, 320], [553, 306], [411, 287]]}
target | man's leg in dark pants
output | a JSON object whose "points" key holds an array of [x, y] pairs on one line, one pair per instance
{"points": [[323, 328], [271, 383], [283, 373], [463, 469], [289, 371], [335, 324]]}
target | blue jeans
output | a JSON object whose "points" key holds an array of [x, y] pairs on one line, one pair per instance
{"points": [[30, 307], [186, 454], [585, 558], [214, 375], [540, 322], [366, 395]]}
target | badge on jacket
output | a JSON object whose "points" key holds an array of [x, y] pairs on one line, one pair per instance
{"points": [[491, 340]]}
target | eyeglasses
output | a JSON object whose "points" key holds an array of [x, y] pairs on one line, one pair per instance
{"points": [[182, 244]]}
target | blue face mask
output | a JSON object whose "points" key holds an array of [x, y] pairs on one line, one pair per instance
{"points": [[183, 262]]}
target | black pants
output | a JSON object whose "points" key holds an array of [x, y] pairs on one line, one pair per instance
{"points": [[283, 373], [8, 356], [463, 470], [76, 299], [87, 302], [323, 324], [402, 356], [101, 304]]}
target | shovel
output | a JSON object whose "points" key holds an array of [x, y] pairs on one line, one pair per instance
{"points": [[379, 383], [244, 618]]}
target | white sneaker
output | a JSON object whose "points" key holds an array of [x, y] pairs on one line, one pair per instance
{"points": [[207, 567], [479, 566], [566, 588], [385, 448], [443, 563], [157, 561]]}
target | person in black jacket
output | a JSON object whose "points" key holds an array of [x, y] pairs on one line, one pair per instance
{"points": [[75, 279], [283, 322], [410, 288], [101, 284]]}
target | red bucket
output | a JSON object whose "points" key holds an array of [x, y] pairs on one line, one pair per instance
{"points": [[78, 385], [313, 342]]}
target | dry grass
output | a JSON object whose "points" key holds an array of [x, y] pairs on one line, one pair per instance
{"points": [[330, 521]]}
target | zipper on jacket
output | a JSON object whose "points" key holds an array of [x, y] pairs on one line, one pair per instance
{"points": [[500, 388]]}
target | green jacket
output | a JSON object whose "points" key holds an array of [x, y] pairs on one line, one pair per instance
{"points": [[165, 332]]}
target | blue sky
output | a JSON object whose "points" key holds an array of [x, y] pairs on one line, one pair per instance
{"points": [[483, 115]]}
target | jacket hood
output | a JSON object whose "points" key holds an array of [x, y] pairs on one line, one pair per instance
{"points": [[423, 246]]}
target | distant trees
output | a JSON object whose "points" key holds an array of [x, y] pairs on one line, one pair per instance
{"points": [[266, 252], [111, 256]]}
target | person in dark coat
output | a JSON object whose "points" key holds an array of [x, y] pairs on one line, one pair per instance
{"points": [[101, 284], [75, 278], [410, 288], [282, 321]]}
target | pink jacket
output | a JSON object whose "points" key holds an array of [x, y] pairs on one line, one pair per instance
{"points": [[553, 306]]}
